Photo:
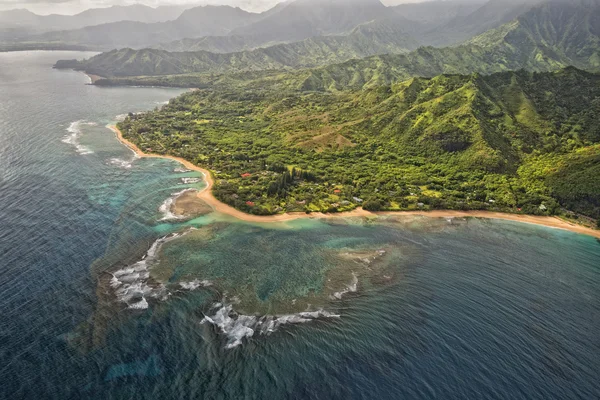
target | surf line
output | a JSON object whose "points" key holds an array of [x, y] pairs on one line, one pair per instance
{"points": [[207, 196]]}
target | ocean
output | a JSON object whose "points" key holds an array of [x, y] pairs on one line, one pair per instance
{"points": [[106, 295]]}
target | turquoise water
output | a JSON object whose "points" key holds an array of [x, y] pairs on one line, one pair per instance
{"points": [[349, 308]]}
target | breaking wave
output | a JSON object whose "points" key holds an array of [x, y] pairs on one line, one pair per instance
{"points": [[236, 326], [189, 181], [165, 208], [120, 163], [72, 138], [195, 284], [133, 286], [351, 288]]}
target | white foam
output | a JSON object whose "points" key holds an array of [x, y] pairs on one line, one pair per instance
{"points": [[189, 181], [165, 207], [236, 326], [181, 170], [351, 288], [140, 305], [123, 164], [72, 138], [131, 284], [195, 284]]}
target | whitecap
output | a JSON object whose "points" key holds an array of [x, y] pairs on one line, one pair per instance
{"points": [[72, 138], [182, 170]]}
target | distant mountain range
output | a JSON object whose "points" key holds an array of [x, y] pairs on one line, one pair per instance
{"points": [[549, 36], [371, 38], [194, 22], [226, 29], [24, 23]]}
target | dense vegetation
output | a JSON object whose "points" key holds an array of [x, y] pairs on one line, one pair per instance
{"points": [[365, 40], [513, 141], [548, 37]]}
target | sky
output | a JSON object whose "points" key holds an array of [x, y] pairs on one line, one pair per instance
{"points": [[75, 6]]}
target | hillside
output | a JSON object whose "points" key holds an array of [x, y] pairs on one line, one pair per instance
{"points": [[463, 27], [502, 142], [552, 35], [372, 38]]}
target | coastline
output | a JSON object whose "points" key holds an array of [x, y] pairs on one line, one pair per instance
{"points": [[94, 78], [207, 196]]}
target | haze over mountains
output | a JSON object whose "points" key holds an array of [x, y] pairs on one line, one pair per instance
{"points": [[228, 29], [551, 35]]}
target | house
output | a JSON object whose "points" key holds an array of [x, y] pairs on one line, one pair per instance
{"points": [[246, 175], [250, 203]]}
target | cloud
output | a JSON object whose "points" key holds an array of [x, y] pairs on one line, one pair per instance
{"points": [[21, 3]]}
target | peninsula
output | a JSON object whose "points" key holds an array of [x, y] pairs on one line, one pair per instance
{"points": [[207, 196]]}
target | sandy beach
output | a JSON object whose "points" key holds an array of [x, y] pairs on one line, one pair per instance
{"points": [[94, 78], [207, 196]]}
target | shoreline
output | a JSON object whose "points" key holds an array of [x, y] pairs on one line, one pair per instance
{"points": [[207, 196], [94, 78]]}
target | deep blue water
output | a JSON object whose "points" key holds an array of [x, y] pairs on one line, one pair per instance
{"points": [[464, 309]]}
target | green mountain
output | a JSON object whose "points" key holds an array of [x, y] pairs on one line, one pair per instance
{"points": [[489, 16], [509, 141], [552, 35], [372, 38], [548, 37]]}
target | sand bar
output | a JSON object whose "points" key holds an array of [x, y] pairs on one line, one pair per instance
{"points": [[207, 196]]}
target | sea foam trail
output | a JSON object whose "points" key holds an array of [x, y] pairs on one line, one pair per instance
{"points": [[236, 326], [72, 138], [165, 207]]}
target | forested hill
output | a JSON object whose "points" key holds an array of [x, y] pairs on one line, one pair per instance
{"points": [[552, 35], [378, 37], [548, 37], [512, 141]]}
